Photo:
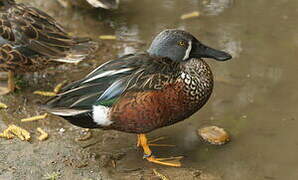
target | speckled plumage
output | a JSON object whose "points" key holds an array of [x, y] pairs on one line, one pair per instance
{"points": [[31, 40], [143, 91], [180, 96]]}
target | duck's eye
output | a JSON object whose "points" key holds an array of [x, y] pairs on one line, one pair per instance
{"points": [[182, 43]]}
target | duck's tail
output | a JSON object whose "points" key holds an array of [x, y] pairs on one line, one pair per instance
{"points": [[82, 50]]}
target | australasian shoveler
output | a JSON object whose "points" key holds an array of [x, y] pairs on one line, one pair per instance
{"points": [[141, 92], [31, 40]]}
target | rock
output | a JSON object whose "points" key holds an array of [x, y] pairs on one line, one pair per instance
{"points": [[214, 135]]}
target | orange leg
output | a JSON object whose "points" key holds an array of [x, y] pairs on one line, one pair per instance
{"points": [[143, 142]]}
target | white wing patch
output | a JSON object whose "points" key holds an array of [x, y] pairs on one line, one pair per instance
{"points": [[101, 115], [187, 52]]}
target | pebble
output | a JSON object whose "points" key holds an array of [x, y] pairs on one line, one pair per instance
{"points": [[214, 135]]}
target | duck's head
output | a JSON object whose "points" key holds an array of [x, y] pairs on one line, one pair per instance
{"points": [[180, 45]]}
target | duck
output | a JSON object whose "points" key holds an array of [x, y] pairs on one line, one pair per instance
{"points": [[105, 4], [31, 40], [144, 91]]}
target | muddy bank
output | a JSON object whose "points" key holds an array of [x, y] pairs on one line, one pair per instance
{"points": [[106, 155]]}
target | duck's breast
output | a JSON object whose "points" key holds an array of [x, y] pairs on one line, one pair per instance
{"points": [[142, 112]]}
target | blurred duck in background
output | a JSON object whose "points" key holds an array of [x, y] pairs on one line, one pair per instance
{"points": [[31, 40], [105, 4]]}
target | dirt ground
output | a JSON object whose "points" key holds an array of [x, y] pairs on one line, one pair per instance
{"points": [[68, 159]]}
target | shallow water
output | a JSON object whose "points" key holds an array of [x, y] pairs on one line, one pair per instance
{"points": [[255, 96]]}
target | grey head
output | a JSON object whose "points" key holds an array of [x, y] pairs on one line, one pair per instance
{"points": [[180, 45]]}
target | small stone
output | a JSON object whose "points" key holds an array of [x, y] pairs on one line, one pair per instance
{"points": [[196, 173], [244, 117], [214, 135], [61, 130]]}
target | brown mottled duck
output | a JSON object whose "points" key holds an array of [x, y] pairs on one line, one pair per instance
{"points": [[31, 40]]}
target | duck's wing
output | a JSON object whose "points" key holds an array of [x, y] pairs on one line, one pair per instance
{"points": [[11, 58], [108, 82], [34, 30]]}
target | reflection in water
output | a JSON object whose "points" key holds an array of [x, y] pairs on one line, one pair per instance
{"points": [[130, 36], [270, 74], [215, 7], [246, 95], [190, 139], [229, 42], [168, 4], [127, 50], [130, 33], [295, 39]]}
